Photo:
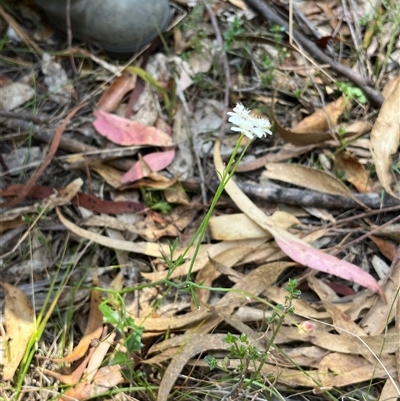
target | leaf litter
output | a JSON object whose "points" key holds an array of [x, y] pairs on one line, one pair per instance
{"points": [[128, 215]]}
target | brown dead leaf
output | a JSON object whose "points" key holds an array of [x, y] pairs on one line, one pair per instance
{"points": [[20, 325], [93, 330], [353, 171], [112, 96], [387, 248], [88, 385], [323, 119], [76, 375], [385, 137], [287, 151], [314, 128]]}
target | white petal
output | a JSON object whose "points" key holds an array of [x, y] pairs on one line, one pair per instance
{"points": [[235, 119], [259, 132], [249, 134], [245, 124]]}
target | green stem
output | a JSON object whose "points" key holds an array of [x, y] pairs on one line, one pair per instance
{"points": [[226, 176]]}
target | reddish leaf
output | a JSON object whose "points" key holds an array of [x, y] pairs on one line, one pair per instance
{"points": [[152, 162], [87, 201], [127, 132], [308, 256]]}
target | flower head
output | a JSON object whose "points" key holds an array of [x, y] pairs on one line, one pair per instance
{"points": [[247, 123]]}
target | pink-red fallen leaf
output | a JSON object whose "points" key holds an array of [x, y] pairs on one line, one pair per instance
{"points": [[155, 162], [318, 260], [127, 132]]}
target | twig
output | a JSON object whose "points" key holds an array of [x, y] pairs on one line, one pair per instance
{"points": [[301, 197], [38, 119], [267, 12], [69, 35]]}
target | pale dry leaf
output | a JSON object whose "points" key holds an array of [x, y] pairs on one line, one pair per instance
{"points": [[235, 227], [149, 249], [351, 369], [238, 226], [20, 325], [390, 390], [307, 177], [381, 313], [177, 194], [253, 283], [385, 138], [382, 345], [339, 318], [198, 343], [111, 175]]}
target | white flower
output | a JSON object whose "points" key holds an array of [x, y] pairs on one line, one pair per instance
{"points": [[248, 124]]}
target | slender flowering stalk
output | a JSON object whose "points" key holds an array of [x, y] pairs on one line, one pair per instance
{"points": [[247, 123]]}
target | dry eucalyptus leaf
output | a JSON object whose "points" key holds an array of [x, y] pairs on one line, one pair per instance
{"points": [[314, 128], [323, 119], [385, 137], [20, 325], [353, 171], [93, 330], [307, 177]]}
